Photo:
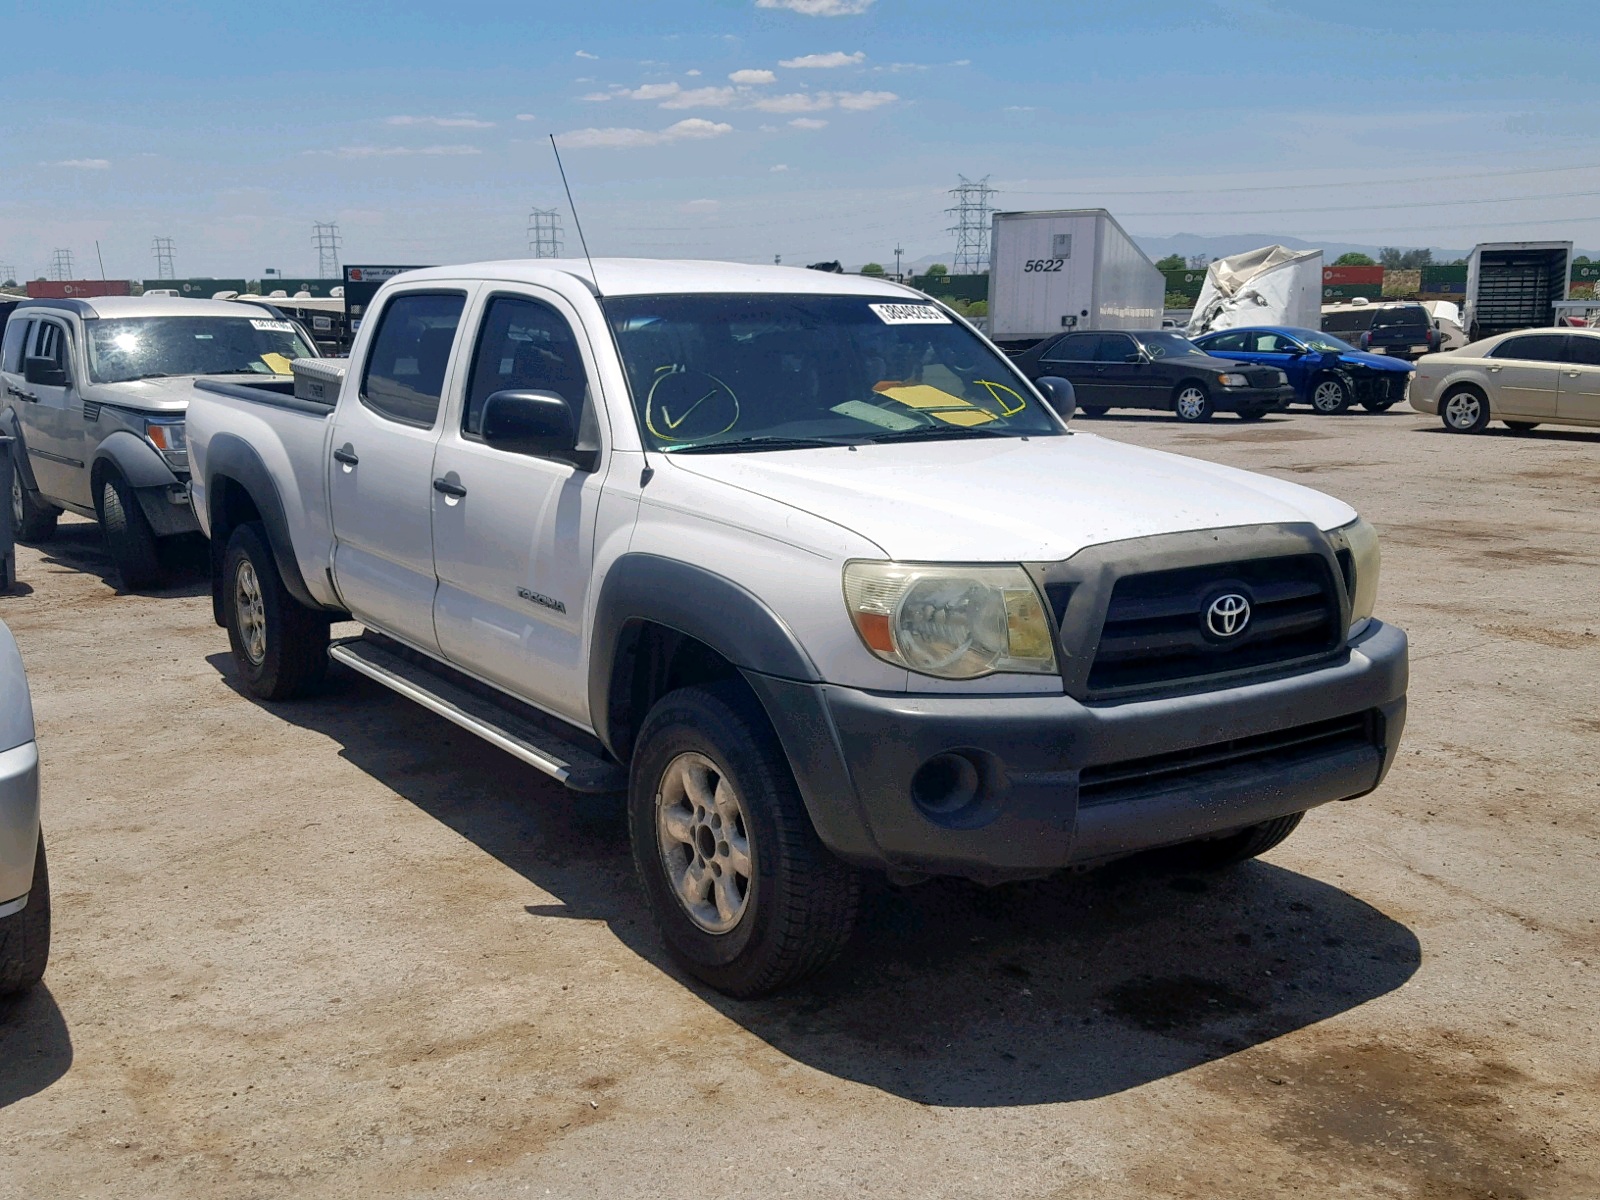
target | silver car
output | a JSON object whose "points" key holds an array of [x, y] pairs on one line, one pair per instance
{"points": [[24, 879], [95, 393]]}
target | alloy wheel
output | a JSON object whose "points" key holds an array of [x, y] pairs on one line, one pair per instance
{"points": [[1328, 397], [1463, 410], [1191, 404], [252, 612], [705, 842]]}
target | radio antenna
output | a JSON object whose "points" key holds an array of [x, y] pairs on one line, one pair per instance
{"points": [[582, 241]]}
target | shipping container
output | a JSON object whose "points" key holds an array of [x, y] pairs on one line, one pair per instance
{"points": [[1068, 269], [1353, 277], [77, 289], [1514, 285], [953, 287], [195, 289], [1444, 282], [1185, 282], [1585, 279]]}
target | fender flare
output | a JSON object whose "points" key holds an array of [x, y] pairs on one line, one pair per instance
{"points": [[12, 428], [135, 460], [697, 602], [232, 458]]}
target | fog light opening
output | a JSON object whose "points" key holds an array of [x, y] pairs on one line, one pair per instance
{"points": [[946, 784]]}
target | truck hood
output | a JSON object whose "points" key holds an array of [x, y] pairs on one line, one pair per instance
{"points": [[1010, 500], [170, 395]]}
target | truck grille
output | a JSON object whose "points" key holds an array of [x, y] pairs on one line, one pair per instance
{"points": [[1280, 748], [1155, 632]]}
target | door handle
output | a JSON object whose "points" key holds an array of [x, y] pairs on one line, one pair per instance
{"points": [[454, 490], [20, 394], [346, 456], [1573, 374], [1494, 370]]}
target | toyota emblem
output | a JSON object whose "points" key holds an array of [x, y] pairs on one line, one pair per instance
{"points": [[1228, 615]]}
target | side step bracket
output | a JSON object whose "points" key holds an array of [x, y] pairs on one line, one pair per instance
{"points": [[578, 768]]}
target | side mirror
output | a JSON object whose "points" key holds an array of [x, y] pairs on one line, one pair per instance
{"points": [[44, 372], [1059, 395], [541, 424]]}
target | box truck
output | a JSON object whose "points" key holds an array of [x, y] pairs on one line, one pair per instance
{"points": [[1270, 286], [1068, 269], [1514, 285]]}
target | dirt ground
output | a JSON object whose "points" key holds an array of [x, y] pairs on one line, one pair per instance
{"points": [[339, 948]]}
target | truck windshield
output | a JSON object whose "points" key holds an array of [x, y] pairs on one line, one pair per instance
{"points": [[150, 347], [732, 372]]}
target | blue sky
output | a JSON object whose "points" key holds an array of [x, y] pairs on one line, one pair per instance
{"points": [[809, 129]]}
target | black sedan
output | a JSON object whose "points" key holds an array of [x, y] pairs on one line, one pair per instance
{"points": [[1156, 369]]}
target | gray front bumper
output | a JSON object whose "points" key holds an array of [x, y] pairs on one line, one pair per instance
{"points": [[19, 824], [1065, 782]]}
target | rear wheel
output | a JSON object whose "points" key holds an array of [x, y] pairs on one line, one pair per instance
{"points": [[25, 936], [1464, 411], [744, 893], [1330, 396], [32, 520], [1216, 853], [279, 645], [1192, 403], [1522, 426], [1378, 405], [128, 535]]}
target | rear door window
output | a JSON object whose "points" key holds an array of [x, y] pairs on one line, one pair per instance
{"points": [[1584, 350], [1533, 347], [1075, 347], [408, 358], [1225, 341], [1115, 348], [1402, 318]]}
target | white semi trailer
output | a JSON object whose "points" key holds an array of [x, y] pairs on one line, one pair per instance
{"points": [[1068, 269]]}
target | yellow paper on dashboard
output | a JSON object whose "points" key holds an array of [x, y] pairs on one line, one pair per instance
{"points": [[277, 363], [940, 405]]}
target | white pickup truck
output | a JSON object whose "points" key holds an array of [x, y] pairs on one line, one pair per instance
{"points": [[803, 565]]}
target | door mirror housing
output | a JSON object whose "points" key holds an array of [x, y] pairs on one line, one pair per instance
{"points": [[1058, 393], [541, 424], [44, 372]]}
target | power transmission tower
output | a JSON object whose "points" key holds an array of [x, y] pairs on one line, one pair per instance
{"points": [[8, 273], [61, 265], [898, 251], [971, 211], [544, 233], [325, 236], [162, 249]]}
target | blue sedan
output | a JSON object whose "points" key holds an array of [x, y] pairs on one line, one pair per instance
{"points": [[1325, 373]]}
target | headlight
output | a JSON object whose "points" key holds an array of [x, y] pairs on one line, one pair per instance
{"points": [[1233, 380], [1361, 540], [169, 438], [953, 622]]}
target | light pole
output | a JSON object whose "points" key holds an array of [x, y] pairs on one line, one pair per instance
{"points": [[897, 253]]}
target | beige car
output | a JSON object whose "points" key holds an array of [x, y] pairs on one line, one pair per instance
{"points": [[1525, 379]]}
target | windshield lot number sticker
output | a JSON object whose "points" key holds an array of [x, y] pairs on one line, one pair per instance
{"points": [[909, 314], [272, 326], [1044, 264]]}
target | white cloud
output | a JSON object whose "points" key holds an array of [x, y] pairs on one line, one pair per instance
{"points": [[693, 71], [808, 123], [699, 206], [801, 102], [595, 97], [706, 97], [834, 58], [85, 164], [692, 129], [586, 54], [526, 117], [749, 76], [394, 151], [819, 8], [864, 101], [653, 91], [442, 122], [778, 168], [1020, 108]]}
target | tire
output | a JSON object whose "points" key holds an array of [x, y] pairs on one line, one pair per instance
{"points": [[32, 520], [25, 936], [1464, 410], [1522, 426], [279, 645], [1094, 410], [796, 905], [128, 535], [1377, 406], [1216, 854], [1330, 395], [1192, 403], [1252, 414]]}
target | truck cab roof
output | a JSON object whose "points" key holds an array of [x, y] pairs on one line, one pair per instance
{"points": [[656, 276], [124, 307]]}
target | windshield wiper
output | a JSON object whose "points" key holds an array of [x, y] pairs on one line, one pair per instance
{"points": [[932, 431], [763, 442]]}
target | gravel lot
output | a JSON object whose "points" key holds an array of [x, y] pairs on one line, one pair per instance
{"points": [[341, 948]]}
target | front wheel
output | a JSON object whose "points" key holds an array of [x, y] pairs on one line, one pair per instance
{"points": [[25, 936], [32, 520], [128, 535], [1192, 403], [279, 645], [1464, 411], [1215, 854], [1330, 396], [745, 895]]}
